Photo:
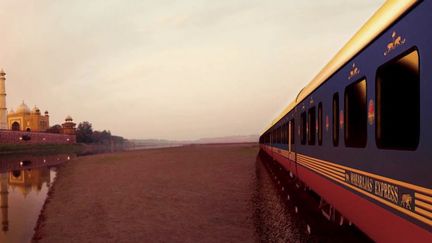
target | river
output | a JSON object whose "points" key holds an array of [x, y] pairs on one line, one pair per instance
{"points": [[25, 181]]}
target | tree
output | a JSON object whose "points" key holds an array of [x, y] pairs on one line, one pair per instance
{"points": [[84, 132], [103, 137], [55, 129]]}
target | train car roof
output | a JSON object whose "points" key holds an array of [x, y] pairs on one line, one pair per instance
{"points": [[386, 15]]}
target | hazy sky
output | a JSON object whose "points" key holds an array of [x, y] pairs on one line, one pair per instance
{"points": [[170, 69]]}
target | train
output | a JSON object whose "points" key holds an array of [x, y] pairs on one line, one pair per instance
{"points": [[358, 134]]}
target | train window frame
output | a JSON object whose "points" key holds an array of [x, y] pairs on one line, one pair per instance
{"points": [[335, 119], [386, 136], [320, 123], [355, 114], [311, 123], [303, 125]]}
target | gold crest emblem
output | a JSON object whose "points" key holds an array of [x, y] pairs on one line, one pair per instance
{"points": [[354, 71], [406, 201], [397, 41]]}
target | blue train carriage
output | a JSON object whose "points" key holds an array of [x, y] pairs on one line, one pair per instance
{"points": [[358, 134]]}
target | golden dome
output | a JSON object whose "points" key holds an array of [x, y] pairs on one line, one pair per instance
{"points": [[23, 108]]}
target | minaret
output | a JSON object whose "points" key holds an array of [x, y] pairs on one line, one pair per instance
{"points": [[4, 201], [3, 109]]}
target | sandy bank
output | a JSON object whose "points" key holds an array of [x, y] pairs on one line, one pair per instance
{"points": [[197, 193]]}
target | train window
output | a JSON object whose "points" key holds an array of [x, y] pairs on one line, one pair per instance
{"points": [[355, 114], [278, 131], [285, 132], [311, 126], [303, 128], [292, 131], [336, 119], [282, 132], [320, 118], [398, 103]]}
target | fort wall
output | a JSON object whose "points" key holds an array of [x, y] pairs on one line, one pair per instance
{"points": [[21, 137]]}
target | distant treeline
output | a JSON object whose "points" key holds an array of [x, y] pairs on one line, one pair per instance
{"points": [[85, 134]]}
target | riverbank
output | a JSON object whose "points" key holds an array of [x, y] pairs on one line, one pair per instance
{"points": [[196, 193], [7, 149], [76, 148]]}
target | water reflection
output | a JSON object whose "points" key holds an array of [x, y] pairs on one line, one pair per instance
{"points": [[25, 181]]}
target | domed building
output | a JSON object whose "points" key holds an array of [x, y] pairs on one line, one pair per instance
{"points": [[68, 127], [24, 119]]}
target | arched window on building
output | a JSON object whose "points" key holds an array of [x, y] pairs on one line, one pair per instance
{"points": [[15, 126]]}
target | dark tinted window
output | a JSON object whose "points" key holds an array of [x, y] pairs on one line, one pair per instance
{"points": [[398, 103], [281, 131], [355, 114], [320, 119], [278, 135], [292, 131], [303, 128], [311, 126], [336, 119], [284, 133]]}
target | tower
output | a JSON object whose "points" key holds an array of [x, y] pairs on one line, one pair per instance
{"points": [[3, 109], [68, 127]]}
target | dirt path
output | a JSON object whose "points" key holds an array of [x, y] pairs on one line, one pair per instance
{"points": [[197, 193]]}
